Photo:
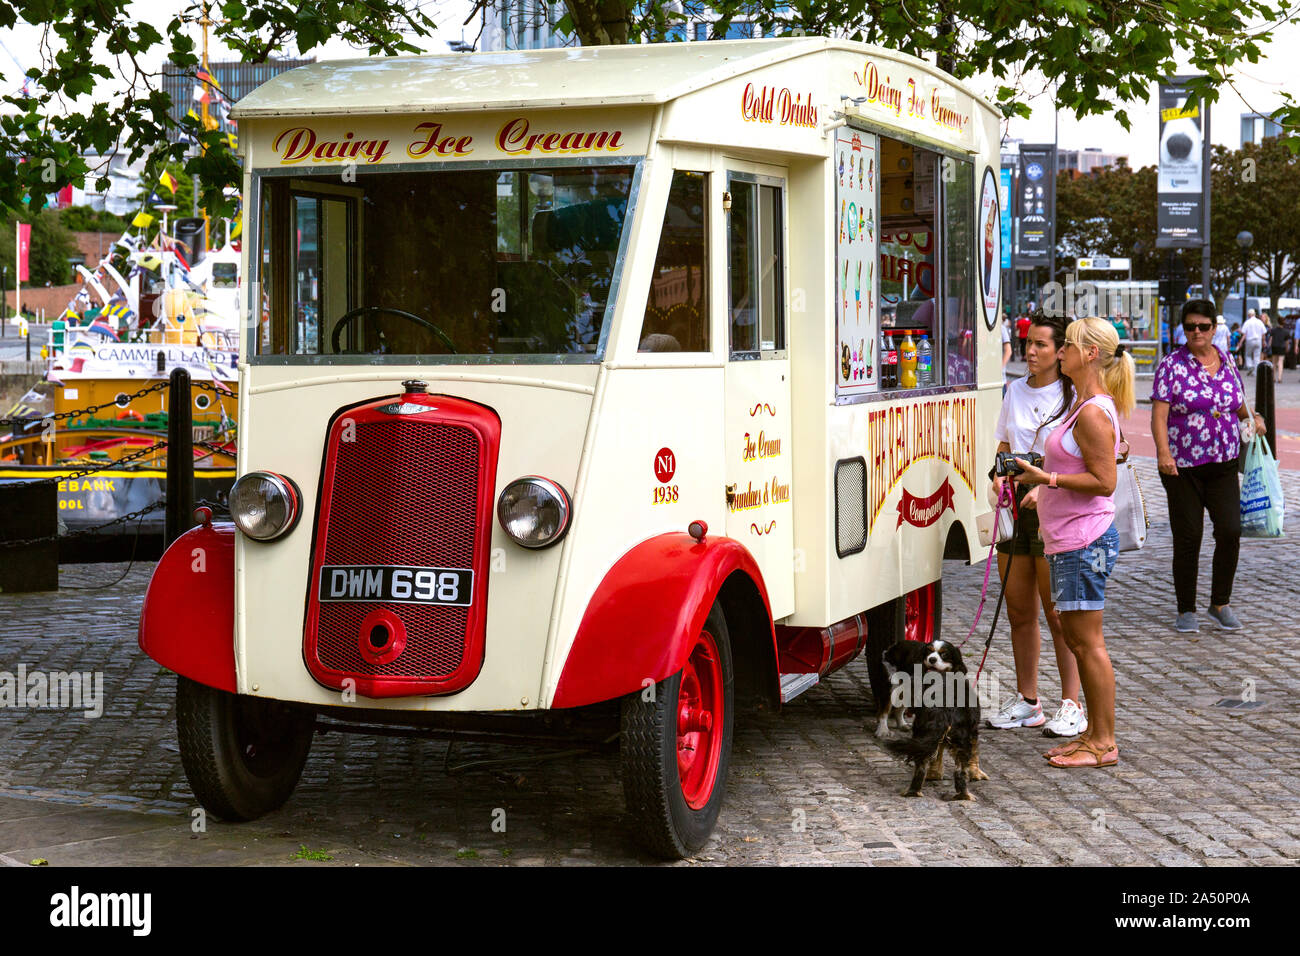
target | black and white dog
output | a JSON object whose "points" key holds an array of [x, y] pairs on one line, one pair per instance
{"points": [[935, 685], [904, 657]]}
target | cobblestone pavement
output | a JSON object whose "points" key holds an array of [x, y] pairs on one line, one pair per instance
{"points": [[1196, 785]]}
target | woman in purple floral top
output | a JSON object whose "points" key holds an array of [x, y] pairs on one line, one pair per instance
{"points": [[1196, 405]]}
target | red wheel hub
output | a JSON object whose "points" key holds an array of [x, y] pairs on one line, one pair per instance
{"points": [[699, 721], [918, 614]]}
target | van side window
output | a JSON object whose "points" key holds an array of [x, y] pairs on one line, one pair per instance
{"points": [[756, 277], [677, 310], [961, 299]]}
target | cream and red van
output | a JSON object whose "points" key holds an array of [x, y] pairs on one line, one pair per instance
{"points": [[566, 389]]}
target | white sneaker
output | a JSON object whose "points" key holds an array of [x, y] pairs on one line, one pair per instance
{"points": [[1017, 713], [1070, 721]]}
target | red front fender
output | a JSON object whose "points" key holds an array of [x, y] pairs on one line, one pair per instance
{"points": [[646, 612], [187, 623]]}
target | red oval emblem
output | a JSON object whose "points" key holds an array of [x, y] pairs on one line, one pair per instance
{"points": [[665, 464]]}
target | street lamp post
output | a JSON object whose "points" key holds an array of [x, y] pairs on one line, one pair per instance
{"points": [[1245, 240]]}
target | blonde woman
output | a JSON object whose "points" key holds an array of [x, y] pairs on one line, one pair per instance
{"points": [[1076, 514]]}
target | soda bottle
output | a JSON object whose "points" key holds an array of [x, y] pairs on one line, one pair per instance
{"points": [[924, 362], [888, 362], [907, 362]]}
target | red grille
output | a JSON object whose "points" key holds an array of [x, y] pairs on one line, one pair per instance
{"points": [[412, 491]]}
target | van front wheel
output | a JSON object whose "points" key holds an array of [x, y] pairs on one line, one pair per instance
{"points": [[242, 755], [676, 747]]}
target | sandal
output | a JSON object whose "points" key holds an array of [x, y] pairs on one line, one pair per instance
{"points": [[1097, 757], [1065, 748]]}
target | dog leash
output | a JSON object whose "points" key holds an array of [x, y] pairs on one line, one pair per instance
{"points": [[1006, 499]]}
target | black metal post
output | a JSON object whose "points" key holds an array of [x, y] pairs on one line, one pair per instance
{"points": [[179, 514], [1264, 402], [4, 300]]}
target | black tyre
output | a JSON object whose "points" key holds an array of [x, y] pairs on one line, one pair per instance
{"points": [[242, 755], [676, 747], [916, 616]]}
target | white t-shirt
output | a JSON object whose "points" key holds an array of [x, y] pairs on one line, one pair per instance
{"points": [[1024, 410], [1253, 330]]}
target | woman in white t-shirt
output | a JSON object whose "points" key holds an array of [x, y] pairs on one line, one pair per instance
{"points": [[1029, 408]]}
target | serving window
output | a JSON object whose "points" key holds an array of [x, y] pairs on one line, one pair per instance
{"points": [[905, 267]]}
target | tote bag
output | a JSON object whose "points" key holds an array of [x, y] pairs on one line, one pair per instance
{"points": [[1130, 506], [1261, 493]]}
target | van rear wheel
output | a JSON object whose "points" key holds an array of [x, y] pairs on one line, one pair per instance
{"points": [[242, 755], [676, 747]]}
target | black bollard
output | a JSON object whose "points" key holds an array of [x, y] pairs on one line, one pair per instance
{"points": [[179, 514], [1265, 402]]}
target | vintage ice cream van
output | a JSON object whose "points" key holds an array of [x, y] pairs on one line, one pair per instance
{"points": [[653, 382]]}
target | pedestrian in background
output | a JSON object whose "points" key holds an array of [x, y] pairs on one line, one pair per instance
{"points": [[1076, 514], [1006, 352], [1031, 405], [1022, 334], [1196, 403], [1253, 332], [1279, 343], [1221, 334], [1235, 342]]}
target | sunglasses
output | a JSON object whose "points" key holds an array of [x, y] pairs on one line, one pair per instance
{"points": [[1197, 326]]}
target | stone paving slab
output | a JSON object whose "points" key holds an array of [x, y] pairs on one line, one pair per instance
{"points": [[1196, 786]]}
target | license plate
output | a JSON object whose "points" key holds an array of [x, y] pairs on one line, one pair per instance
{"points": [[391, 584]]}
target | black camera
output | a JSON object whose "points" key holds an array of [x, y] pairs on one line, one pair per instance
{"points": [[1006, 466]]}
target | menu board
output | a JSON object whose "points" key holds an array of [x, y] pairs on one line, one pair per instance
{"points": [[856, 317]]}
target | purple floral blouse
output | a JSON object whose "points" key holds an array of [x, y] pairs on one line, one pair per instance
{"points": [[1202, 409]]}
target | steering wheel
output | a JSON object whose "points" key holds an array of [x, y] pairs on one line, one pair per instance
{"points": [[336, 338]]}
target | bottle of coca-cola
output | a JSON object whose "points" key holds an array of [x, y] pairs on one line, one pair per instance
{"points": [[888, 361]]}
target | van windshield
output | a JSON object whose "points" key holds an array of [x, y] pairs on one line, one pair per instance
{"points": [[505, 261]]}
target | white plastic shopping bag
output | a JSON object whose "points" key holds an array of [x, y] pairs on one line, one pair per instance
{"points": [[1261, 493]]}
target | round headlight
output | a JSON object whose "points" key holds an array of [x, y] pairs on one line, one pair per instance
{"points": [[534, 511], [264, 505]]}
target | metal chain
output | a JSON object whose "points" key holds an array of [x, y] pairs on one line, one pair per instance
{"points": [[24, 542], [77, 413], [215, 447], [90, 470], [226, 392]]}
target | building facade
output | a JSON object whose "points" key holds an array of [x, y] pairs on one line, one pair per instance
{"points": [[530, 25]]}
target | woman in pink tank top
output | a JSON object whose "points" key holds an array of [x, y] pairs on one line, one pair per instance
{"points": [[1076, 516]]}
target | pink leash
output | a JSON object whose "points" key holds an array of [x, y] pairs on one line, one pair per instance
{"points": [[1006, 498]]}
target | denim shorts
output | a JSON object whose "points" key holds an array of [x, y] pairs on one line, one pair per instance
{"points": [[1079, 577]]}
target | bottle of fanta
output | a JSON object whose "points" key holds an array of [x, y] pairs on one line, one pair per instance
{"points": [[907, 362]]}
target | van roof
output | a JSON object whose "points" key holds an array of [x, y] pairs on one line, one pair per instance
{"points": [[636, 73]]}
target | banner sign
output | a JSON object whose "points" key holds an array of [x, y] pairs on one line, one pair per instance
{"points": [[1036, 202], [856, 254], [24, 249], [1180, 190], [1004, 196]]}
